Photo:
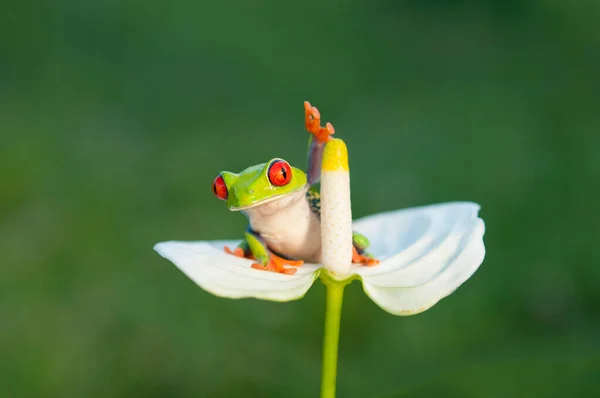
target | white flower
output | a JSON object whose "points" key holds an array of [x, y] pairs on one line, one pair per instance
{"points": [[426, 253]]}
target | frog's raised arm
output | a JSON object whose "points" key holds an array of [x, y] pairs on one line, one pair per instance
{"points": [[316, 144]]}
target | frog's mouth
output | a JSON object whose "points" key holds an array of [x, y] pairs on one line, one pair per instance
{"points": [[283, 199]]}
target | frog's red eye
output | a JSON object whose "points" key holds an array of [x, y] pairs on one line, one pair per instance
{"points": [[219, 188], [280, 173]]}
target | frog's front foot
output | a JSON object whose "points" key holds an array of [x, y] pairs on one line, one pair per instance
{"points": [[276, 264], [362, 258], [312, 123]]}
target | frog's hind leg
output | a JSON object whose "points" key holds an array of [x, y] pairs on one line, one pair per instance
{"points": [[267, 260], [359, 254]]}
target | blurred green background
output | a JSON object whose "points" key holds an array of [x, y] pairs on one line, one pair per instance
{"points": [[115, 117]]}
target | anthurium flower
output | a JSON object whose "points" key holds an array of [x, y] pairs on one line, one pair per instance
{"points": [[419, 255], [416, 256], [425, 253]]}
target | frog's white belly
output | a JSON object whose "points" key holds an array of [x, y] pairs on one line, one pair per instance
{"points": [[289, 227]]}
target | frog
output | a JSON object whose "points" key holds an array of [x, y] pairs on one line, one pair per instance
{"points": [[282, 205]]}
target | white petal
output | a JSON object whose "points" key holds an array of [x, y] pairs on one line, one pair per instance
{"points": [[426, 253], [225, 275]]}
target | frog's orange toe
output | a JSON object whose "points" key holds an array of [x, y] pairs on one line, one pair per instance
{"points": [[238, 251], [289, 271], [270, 266], [312, 118], [362, 259], [325, 133], [312, 123], [276, 264], [285, 261]]}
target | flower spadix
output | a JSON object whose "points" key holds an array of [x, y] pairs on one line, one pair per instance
{"points": [[425, 253], [336, 213]]}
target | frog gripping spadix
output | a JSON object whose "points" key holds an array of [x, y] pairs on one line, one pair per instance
{"points": [[336, 213]]}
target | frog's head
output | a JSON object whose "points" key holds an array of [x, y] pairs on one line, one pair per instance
{"points": [[258, 184]]}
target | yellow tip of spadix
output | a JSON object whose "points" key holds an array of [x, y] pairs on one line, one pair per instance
{"points": [[335, 156]]}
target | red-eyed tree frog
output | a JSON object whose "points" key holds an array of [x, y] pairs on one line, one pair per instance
{"points": [[283, 207]]}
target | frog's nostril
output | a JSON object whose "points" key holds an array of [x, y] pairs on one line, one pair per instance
{"points": [[250, 191]]}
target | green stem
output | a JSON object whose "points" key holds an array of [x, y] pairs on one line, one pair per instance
{"points": [[333, 312]]}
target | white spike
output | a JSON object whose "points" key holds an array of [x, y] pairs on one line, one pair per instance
{"points": [[336, 212]]}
